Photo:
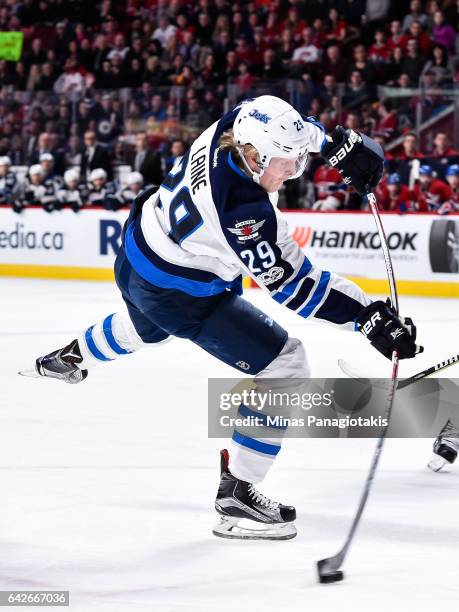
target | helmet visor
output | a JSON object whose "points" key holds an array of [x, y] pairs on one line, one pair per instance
{"points": [[287, 168]]}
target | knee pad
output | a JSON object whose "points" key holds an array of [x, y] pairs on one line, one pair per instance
{"points": [[292, 362]]}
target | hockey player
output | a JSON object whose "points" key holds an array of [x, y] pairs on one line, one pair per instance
{"points": [[393, 195], [10, 188], [184, 247], [37, 192], [331, 191], [73, 193], [102, 192], [134, 185], [429, 193], [50, 176], [452, 178]]}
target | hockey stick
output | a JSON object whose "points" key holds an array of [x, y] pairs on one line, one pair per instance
{"points": [[328, 568], [347, 369]]}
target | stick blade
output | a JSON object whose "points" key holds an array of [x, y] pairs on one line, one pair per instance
{"points": [[328, 570], [30, 373]]}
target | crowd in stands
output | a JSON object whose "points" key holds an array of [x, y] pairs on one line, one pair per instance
{"points": [[107, 84]]}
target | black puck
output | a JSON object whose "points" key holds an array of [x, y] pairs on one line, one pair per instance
{"points": [[328, 575]]}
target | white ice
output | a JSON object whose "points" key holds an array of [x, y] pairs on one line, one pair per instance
{"points": [[107, 487]]}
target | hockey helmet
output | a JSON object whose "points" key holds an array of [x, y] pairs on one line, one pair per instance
{"points": [[97, 174], [134, 178], [71, 175], [5, 160], [394, 179], [36, 169], [46, 157], [425, 170], [452, 170], [275, 129]]}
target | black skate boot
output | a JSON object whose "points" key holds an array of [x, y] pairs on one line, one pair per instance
{"points": [[445, 447], [60, 364], [239, 502]]}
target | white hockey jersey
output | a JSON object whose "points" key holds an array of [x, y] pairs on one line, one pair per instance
{"points": [[209, 222]]}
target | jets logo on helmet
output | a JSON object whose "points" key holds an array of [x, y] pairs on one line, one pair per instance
{"points": [[260, 116]]}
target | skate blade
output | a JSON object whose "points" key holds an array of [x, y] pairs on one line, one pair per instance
{"points": [[32, 373], [244, 529], [437, 463]]}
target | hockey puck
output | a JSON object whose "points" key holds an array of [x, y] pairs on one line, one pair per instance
{"points": [[327, 576]]}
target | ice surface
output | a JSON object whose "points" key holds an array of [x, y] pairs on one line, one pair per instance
{"points": [[108, 486]]}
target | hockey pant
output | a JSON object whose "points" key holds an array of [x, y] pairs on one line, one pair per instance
{"points": [[225, 325]]}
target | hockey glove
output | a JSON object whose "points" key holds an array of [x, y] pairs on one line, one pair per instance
{"points": [[387, 331], [359, 158]]}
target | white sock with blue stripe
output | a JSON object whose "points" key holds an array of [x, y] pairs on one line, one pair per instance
{"points": [[109, 339], [251, 457]]}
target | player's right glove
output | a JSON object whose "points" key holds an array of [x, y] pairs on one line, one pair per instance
{"points": [[387, 331], [359, 159]]}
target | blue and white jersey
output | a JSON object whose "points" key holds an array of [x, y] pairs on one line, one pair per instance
{"points": [[209, 222]]}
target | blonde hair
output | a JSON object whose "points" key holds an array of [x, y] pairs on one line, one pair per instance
{"points": [[228, 143]]}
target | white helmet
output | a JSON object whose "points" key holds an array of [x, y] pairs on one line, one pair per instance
{"points": [[71, 175], [133, 178], [5, 160], [46, 157], [275, 129], [98, 173], [36, 169]]}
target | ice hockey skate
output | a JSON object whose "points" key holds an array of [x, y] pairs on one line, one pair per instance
{"points": [[60, 364], [445, 447], [247, 514]]}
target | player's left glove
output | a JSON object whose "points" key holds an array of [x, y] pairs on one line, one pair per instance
{"points": [[387, 331], [359, 158]]}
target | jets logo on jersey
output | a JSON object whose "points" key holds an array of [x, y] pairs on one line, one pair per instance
{"points": [[271, 276], [246, 230]]}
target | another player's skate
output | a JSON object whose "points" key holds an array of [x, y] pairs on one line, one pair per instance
{"points": [[445, 447], [244, 513], [61, 364]]}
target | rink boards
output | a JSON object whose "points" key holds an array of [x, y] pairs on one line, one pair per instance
{"points": [[424, 247]]}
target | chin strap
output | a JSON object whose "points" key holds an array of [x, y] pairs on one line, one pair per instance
{"points": [[256, 176]]}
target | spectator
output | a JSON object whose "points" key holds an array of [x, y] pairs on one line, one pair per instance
{"points": [[410, 148], [196, 115], [145, 161], [438, 67], [94, 156], [272, 67], [71, 80], [397, 39], [413, 63], [337, 30], [415, 15], [424, 41], [387, 124], [334, 64], [443, 33], [356, 92], [154, 74], [331, 191], [204, 30], [165, 32], [442, 146], [308, 52], [177, 152], [395, 66], [156, 110]]}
